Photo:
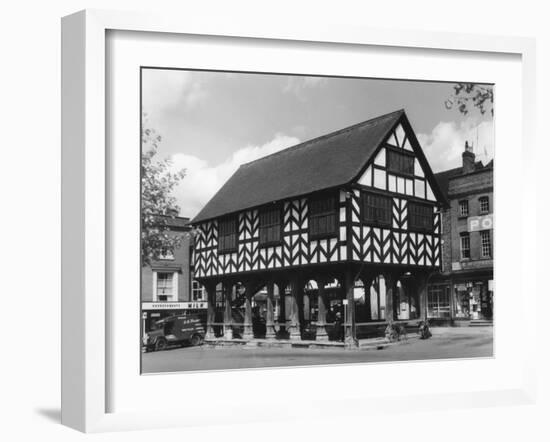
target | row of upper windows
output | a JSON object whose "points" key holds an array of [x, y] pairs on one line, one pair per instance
{"points": [[323, 220], [464, 206], [486, 249]]}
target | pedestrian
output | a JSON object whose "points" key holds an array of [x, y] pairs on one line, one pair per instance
{"points": [[338, 327]]}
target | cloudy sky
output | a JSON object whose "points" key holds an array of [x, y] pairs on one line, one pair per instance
{"points": [[211, 122]]}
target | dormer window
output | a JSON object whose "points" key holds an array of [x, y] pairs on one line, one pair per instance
{"points": [[400, 162]]}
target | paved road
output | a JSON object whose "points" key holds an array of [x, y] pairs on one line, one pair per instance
{"points": [[445, 343]]}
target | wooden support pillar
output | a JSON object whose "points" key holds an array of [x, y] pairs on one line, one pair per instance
{"points": [[452, 299], [247, 332], [422, 287], [367, 282], [321, 334], [269, 321], [391, 287], [294, 326], [228, 313], [301, 306], [349, 325], [282, 306], [211, 309]]}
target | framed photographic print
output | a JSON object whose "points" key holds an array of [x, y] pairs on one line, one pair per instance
{"points": [[252, 215]]}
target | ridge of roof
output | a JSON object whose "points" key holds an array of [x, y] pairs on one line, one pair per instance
{"points": [[304, 144]]}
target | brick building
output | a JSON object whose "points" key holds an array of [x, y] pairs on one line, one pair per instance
{"points": [[167, 285], [464, 290]]}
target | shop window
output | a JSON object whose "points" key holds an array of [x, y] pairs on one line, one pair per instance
{"points": [[227, 235], [164, 286], [438, 302], [420, 217], [462, 296], [465, 245], [463, 209], [400, 162], [484, 204], [322, 217], [377, 209], [485, 243], [270, 226]]}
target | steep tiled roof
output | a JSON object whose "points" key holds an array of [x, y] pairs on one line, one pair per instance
{"points": [[329, 161]]}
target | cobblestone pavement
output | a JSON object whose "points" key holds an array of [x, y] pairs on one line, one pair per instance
{"points": [[446, 343]]}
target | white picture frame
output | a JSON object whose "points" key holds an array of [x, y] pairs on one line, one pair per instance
{"points": [[85, 202]]}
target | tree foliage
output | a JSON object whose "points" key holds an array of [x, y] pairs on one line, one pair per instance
{"points": [[157, 203], [471, 95]]}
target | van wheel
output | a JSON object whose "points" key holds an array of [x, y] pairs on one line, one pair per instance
{"points": [[160, 344], [196, 340]]}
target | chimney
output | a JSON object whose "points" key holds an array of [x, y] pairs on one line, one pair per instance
{"points": [[468, 159]]}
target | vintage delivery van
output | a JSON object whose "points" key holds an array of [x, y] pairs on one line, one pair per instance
{"points": [[175, 330]]}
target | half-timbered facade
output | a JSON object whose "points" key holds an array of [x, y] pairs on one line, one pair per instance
{"points": [[345, 207]]}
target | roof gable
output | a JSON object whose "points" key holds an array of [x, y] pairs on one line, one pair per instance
{"points": [[420, 182], [326, 162]]}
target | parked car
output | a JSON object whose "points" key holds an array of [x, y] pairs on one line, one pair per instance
{"points": [[175, 330]]}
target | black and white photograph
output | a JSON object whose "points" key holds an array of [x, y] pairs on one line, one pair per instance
{"points": [[291, 220]]}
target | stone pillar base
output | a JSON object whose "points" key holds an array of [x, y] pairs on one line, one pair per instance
{"points": [[210, 334], [321, 333], [351, 342], [247, 332], [270, 332], [227, 332], [294, 333]]}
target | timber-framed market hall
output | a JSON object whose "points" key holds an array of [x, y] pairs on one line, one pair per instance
{"points": [[344, 227]]}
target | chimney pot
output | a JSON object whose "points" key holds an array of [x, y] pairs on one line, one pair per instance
{"points": [[468, 158]]}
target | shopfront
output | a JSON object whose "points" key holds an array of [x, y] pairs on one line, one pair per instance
{"points": [[474, 299], [465, 299]]}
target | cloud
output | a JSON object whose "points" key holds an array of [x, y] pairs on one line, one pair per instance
{"points": [[444, 145], [202, 180], [165, 89], [298, 85]]}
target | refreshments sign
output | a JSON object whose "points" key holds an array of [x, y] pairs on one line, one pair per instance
{"points": [[174, 305], [476, 223]]}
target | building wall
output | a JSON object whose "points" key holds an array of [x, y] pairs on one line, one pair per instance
{"points": [[469, 188], [392, 245], [182, 261], [464, 290], [447, 244], [396, 244], [296, 248]]}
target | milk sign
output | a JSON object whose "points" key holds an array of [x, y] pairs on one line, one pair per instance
{"points": [[476, 223]]}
